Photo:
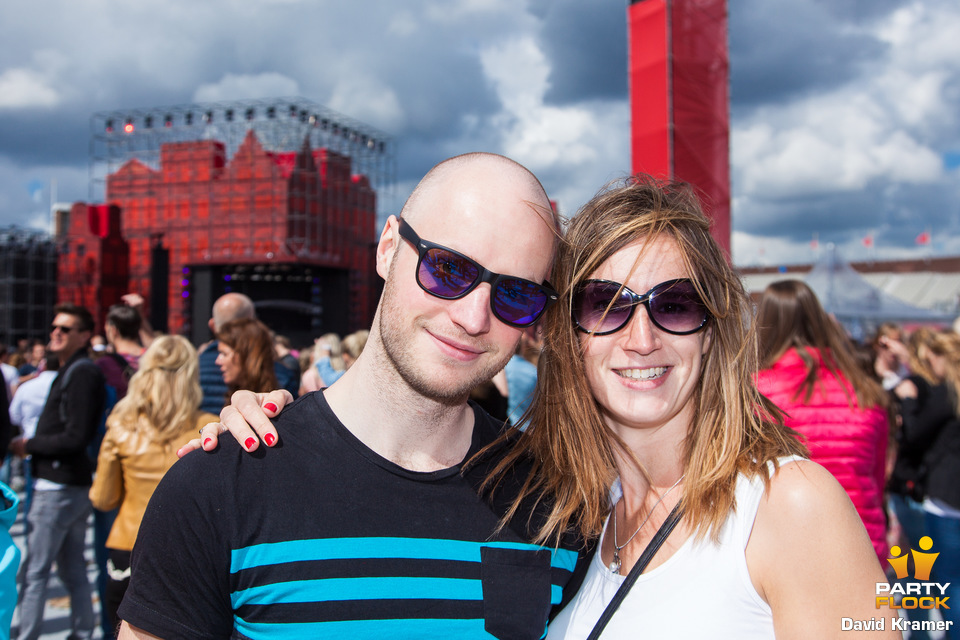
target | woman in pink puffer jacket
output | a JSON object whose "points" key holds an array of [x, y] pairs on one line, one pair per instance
{"points": [[811, 372]]}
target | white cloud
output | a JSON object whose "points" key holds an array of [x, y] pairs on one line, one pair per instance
{"points": [[367, 99], [581, 140], [875, 128], [544, 135], [21, 88], [240, 87]]}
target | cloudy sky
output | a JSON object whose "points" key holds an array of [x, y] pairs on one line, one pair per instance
{"points": [[845, 113]]}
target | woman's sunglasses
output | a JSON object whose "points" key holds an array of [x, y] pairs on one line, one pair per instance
{"points": [[601, 307], [446, 274]]}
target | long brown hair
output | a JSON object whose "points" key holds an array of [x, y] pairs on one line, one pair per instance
{"points": [[735, 429], [250, 339], [791, 316]]}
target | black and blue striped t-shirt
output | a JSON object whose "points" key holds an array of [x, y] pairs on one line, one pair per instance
{"points": [[321, 537]]}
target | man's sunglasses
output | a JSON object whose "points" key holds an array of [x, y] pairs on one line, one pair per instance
{"points": [[601, 307], [450, 275], [63, 329]]}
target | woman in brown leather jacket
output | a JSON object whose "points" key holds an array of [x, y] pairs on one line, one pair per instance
{"points": [[159, 414]]}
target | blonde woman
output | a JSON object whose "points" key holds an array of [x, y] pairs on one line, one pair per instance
{"points": [[326, 364], [158, 415]]}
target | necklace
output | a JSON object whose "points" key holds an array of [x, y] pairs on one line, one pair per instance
{"points": [[614, 565]]}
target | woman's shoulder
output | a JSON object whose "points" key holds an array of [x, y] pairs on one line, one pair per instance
{"points": [[801, 496], [796, 482]]}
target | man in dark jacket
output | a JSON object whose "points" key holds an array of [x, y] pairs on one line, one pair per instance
{"points": [[63, 471]]}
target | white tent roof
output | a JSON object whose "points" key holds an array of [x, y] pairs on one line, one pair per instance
{"points": [[853, 300]]}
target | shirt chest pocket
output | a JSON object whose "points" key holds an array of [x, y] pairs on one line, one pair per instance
{"points": [[516, 592]]}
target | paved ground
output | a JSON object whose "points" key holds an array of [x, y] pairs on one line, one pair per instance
{"points": [[56, 618]]}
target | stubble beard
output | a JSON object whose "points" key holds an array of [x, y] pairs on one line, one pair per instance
{"points": [[398, 344]]}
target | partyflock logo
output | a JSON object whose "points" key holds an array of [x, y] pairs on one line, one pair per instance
{"points": [[919, 593]]}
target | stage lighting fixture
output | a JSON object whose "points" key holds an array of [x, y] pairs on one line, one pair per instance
{"points": [[108, 126], [208, 117], [188, 118], [250, 113], [128, 126], [229, 115], [271, 112], [148, 122], [168, 120]]}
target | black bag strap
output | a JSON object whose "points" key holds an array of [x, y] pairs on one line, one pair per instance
{"points": [[662, 534]]}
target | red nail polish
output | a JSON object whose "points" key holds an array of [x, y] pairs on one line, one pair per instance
{"points": [[270, 407], [207, 441], [269, 439], [249, 442]]}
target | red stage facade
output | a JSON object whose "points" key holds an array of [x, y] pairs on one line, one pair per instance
{"points": [[94, 267], [294, 230], [679, 96]]}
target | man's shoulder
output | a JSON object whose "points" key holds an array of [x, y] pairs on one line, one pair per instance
{"points": [[209, 352], [82, 368]]}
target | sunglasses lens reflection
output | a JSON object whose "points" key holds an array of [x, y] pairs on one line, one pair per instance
{"points": [[590, 307], [445, 274], [519, 301], [678, 308]]}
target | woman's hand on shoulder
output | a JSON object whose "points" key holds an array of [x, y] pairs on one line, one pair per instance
{"points": [[247, 418], [810, 557]]}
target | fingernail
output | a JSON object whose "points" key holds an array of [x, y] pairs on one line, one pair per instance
{"points": [[270, 407], [269, 439], [207, 441], [249, 442]]}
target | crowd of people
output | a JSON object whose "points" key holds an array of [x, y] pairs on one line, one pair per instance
{"points": [[111, 409], [549, 431]]}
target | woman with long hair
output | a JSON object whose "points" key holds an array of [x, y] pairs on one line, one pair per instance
{"points": [[812, 373], [246, 356], [146, 427], [767, 543]]}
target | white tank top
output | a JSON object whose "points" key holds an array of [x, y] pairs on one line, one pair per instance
{"points": [[702, 591]]}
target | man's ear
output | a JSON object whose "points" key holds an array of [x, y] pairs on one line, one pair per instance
{"points": [[387, 245]]}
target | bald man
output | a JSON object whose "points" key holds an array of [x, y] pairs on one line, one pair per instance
{"points": [[232, 306], [229, 306], [363, 523]]}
